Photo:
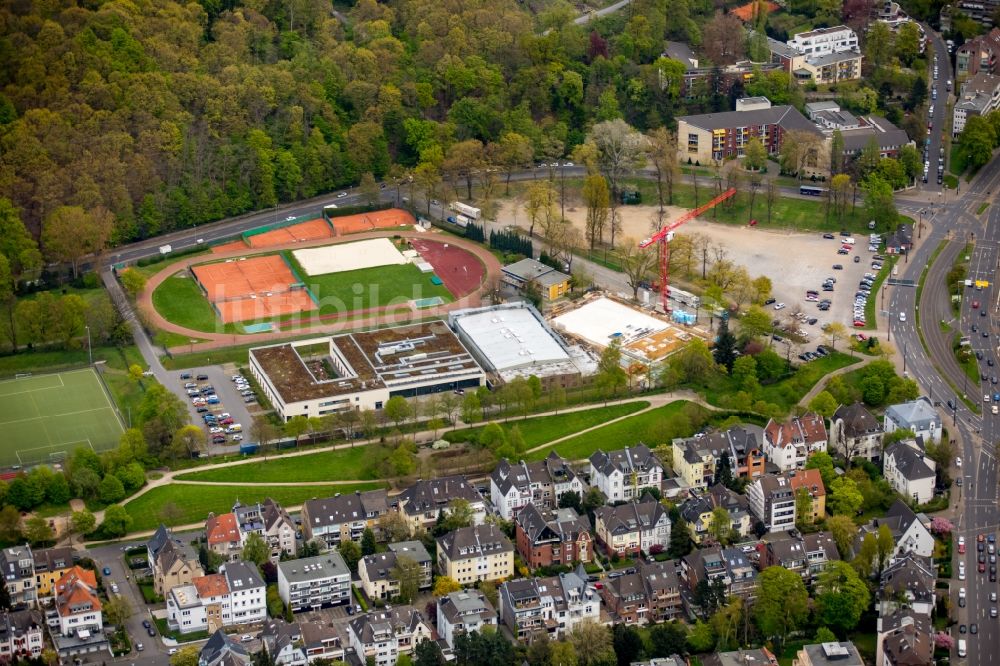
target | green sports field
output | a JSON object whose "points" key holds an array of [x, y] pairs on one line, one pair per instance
{"points": [[44, 417]]}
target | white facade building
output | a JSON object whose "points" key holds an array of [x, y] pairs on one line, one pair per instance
{"points": [[622, 475], [313, 582], [235, 596], [825, 41]]}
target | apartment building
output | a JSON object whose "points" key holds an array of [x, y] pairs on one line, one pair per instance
{"points": [[698, 510], [547, 537], [910, 471], [18, 567], [918, 415], [743, 444], [322, 641], [854, 432], [730, 565], [694, 462], [978, 55], [823, 41], [384, 635], [553, 605], [378, 570], [234, 596], [50, 565], [812, 481], [623, 474], [222, 535], [789, 443], [77, 612], [628, 529], [651, 594], [477, 553], [425, 500], [343, 517], [270, 520], [464, 612], [22, 635], [173, 563], [314, 582], [772, 501], [514, 485]]}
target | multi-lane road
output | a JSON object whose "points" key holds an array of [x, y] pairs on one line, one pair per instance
{"points": [[954, 224]]}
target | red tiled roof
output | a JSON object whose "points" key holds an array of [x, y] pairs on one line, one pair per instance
{"points": [[222, 529], [213, 585], [808, 479], [76, 588]]}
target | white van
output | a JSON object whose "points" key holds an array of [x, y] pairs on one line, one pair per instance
{"points": [[961, 647], [849, 240]]}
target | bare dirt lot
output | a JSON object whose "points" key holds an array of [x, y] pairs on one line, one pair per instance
{"points": [[794, 261]]}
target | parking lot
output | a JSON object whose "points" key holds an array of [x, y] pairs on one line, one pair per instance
{"points": [[796, 262], [230, 401]]}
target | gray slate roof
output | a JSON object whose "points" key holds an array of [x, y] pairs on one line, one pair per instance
{"points": [[631, 517], [639, 458], [909, 462], [858, 421], [435, 494], [787, 117], [918, 414], [475, 541]]}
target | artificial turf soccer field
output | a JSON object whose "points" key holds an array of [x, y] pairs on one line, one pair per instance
{"points": [[45, 417]]}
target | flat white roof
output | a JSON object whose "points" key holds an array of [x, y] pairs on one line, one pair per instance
{"points": [[511, 338], [603, 320]]}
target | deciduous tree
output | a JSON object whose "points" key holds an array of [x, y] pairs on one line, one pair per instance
{"points": [[782, 604]]}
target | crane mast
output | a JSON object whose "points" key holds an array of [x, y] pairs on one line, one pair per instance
{"points": [[666, 234]]}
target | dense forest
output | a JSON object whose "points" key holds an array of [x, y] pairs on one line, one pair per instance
{"points": [[168, 114]]}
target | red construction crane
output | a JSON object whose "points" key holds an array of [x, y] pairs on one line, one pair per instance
{"points": [[666, 234]]}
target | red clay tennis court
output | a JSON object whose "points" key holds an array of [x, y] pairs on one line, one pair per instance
{"points": [[296, 233], [459, 269], [380, 219], [250, 288]]}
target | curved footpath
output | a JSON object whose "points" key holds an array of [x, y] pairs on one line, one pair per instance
{"points": [[350, 320], [655, 401]]}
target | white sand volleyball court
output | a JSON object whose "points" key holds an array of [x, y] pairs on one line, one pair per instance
{"points": [[349, 256]]}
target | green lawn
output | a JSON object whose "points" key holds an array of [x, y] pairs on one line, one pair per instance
{"points": [[180, 300], [541, 429], [191, 503], [366, 288], [339, 465], [957, 164], [652, 428]]}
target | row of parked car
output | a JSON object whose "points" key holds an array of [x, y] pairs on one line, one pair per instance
{"points": [[821, 351], [220, 425]]}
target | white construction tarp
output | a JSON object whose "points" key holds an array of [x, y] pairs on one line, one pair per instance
{"points": [[349, 256]]}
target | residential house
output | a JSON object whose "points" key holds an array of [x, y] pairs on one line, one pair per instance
{"points": [[743, 444], [623, 474], [909, 471], [283, 642], [730, 565], [18, 567], [425, 500], [476, 553], [828, 654], [77, 614], [554, 605], [270, 520], [50, 565], [21, 635], [672, 660], [917, 415], [222, 534], [693, 461], [172, 562], [651, 594], [788, 444], [812, 481], [683, 53], [383, 635], [697, 511], [772, 502], [906, 639], [551, 283], [463, 612], [713, 137], [234, 596], [855, 432], [627, 529], [873, 130], [910, 531], [806, 555], [314, 582], [378, 570], [908, 582], [513, 485], [321, 641], [343, 517], [979, 96], [754, 657], [223, 650], [545, 537], [978, 55]]}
